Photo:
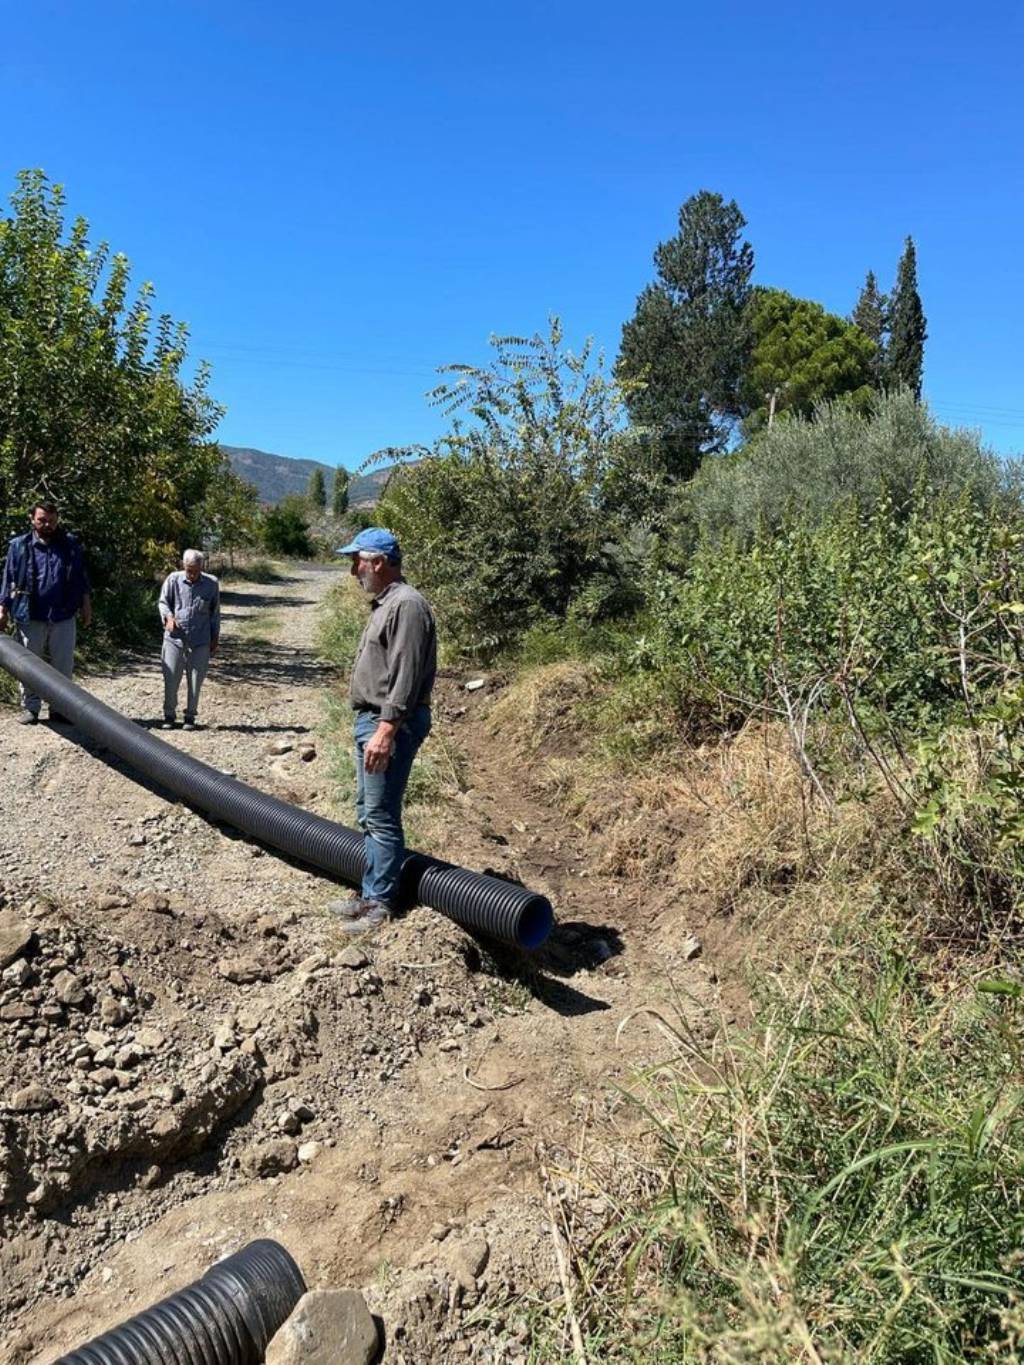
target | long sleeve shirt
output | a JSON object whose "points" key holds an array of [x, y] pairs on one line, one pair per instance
{"points": [[397, 659], [194, 606], [50, 574]]}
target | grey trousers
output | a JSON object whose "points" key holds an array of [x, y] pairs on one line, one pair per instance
{"points": [[175, 660], [57, 639]]}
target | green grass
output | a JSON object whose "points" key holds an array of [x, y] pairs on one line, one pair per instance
{"points": [[256, 571], [845, 1182]]}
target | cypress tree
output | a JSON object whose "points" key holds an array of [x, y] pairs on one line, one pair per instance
{"points": [[871, 315], [339, 493], [317, 489], [907, 333]]}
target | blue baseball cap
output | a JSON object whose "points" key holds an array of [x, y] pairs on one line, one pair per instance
{"points": [[375, 540]]}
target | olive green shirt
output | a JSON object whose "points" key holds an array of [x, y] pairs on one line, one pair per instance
{"points": [[397, 659]]}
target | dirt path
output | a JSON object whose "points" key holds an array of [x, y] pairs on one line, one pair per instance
{"points": [[219, 1065]]}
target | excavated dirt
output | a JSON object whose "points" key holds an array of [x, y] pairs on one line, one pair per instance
{"points": [[192, 1055]]}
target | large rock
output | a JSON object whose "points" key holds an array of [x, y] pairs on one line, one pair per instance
{"points": [[327, 1327], [32, 1099], [270, 1158], [15, 938]]}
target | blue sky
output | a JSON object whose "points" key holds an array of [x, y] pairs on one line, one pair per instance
{"points": [[339, 198]]}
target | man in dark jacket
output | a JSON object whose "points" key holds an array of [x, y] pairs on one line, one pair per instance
{"points": [[389, 691], [44, 587]]}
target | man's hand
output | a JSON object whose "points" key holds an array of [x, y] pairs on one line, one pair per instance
{"points": [[86, 611], [377, 754], [170, 624], [3, 617]]}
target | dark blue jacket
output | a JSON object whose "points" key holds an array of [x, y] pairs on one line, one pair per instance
{"points": [[18, 590]]}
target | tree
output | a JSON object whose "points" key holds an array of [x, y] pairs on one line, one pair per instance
{"points": [[317, 489], [231, 512], [804, 356], [286, 528], [871, 315], [339, 493], [684, 352], [93, 410], [907, 332]]}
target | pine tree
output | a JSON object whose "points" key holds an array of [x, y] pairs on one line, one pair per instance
{"points": [[685, 351], [871, 315], [907, 333], [317, 489], [339, 493]]}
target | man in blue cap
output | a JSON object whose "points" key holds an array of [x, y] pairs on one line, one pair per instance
{"points": [[392, 679]]}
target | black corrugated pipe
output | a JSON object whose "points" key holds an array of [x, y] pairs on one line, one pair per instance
{"points": [[226, 1318], [487, 904]]}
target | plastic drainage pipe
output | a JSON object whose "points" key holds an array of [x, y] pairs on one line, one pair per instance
{"points": [[226, 1318], [486, 904]]}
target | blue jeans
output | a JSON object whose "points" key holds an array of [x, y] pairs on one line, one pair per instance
{"points": [[379, 802]]}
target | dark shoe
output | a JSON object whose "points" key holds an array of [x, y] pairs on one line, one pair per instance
{"points": [[190, 725], [27, 717], [375, 913], [58, 718], [167, 723]]}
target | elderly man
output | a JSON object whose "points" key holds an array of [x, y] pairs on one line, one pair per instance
{"points": [[44, 588], [390, 691], [190, 611]]}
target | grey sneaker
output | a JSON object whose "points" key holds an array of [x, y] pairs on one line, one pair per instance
{"points": [[27, 718], [352, 908], [375, 913], [167, 723], [190, 725]]}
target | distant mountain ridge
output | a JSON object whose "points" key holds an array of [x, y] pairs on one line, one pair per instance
{"points": [[278, 476]]}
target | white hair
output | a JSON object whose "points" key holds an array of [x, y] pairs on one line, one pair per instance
{"points": [[193, 557]]}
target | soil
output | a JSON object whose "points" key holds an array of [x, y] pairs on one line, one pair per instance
{"points": [[192, 1055]]}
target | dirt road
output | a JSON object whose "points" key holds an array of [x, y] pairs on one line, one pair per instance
{"points": [[193, 1056]]}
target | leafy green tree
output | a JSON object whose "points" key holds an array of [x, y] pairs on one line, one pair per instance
{"points": [[231, 512], [286, 529], [93, 410], [871, 315], [505, 521], [802, 356], [684, 352], [339, 493], [907, 329], [317, 489]]}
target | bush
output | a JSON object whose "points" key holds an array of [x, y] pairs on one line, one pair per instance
{"points": [[286, 529], [804, 467]]}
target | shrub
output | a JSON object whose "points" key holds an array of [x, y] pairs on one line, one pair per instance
{"points": [[286, 529]]}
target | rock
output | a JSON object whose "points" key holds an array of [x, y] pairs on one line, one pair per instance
{"points": [[475, 684], [11, 1014], [137, 840], [150, 1038], [113, 1013], [33, 1099], [19, 973], [267, 927], [692, 948], [280, 746], [225, 1038], [327, 1327], [15, 938], [69, 989], [167, 1127], [105, 1077], [354, 958], [241, 970], [467, 1258], [111, 902], [307, 752], [154, 901], [308, 1151], [95, 1039], [270, 1158], [129, 1055], [288, 1123], [302, 1111]]}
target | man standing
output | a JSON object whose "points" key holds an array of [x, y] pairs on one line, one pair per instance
{"points": [[390, 691], [190, 611], [44, 587]]}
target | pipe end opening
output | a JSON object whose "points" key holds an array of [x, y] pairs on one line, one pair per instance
{"points": [[535, 923]]}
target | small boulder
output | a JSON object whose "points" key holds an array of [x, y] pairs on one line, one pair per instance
{"points": [[15, 938], [270, 1158], [70, 989], [240, 970], [327, 1327], [33, 1099]]}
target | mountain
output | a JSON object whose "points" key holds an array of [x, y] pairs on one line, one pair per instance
{"points": [[276, 476]]}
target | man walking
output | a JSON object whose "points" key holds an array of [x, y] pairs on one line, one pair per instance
{"points": [[45, 586], [190, 611], [392, 679]]}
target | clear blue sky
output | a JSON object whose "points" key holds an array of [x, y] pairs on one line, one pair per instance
{"points": [[338, 198]]}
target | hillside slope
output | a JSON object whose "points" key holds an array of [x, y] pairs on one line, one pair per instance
{"points": [[278, 476]]}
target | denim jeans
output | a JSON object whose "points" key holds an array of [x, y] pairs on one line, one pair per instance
{"points": [[57, 638], [379, 801]]}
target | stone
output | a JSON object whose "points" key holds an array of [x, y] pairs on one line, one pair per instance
{"points": [[113, 1013], [269, 1158], [327, 1327], [15, 938], [467, 1258], [11, 1014], [308, 1151], [95, 1039], [19, 973], [110, 902], [302, 1111], [167, 1126], [288, 1123], [70, 989], [155, 902], [475, 684], [150, 1038], [692, 948], [241, 970], [33, 1099], [353, 958], [280, 746]]}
